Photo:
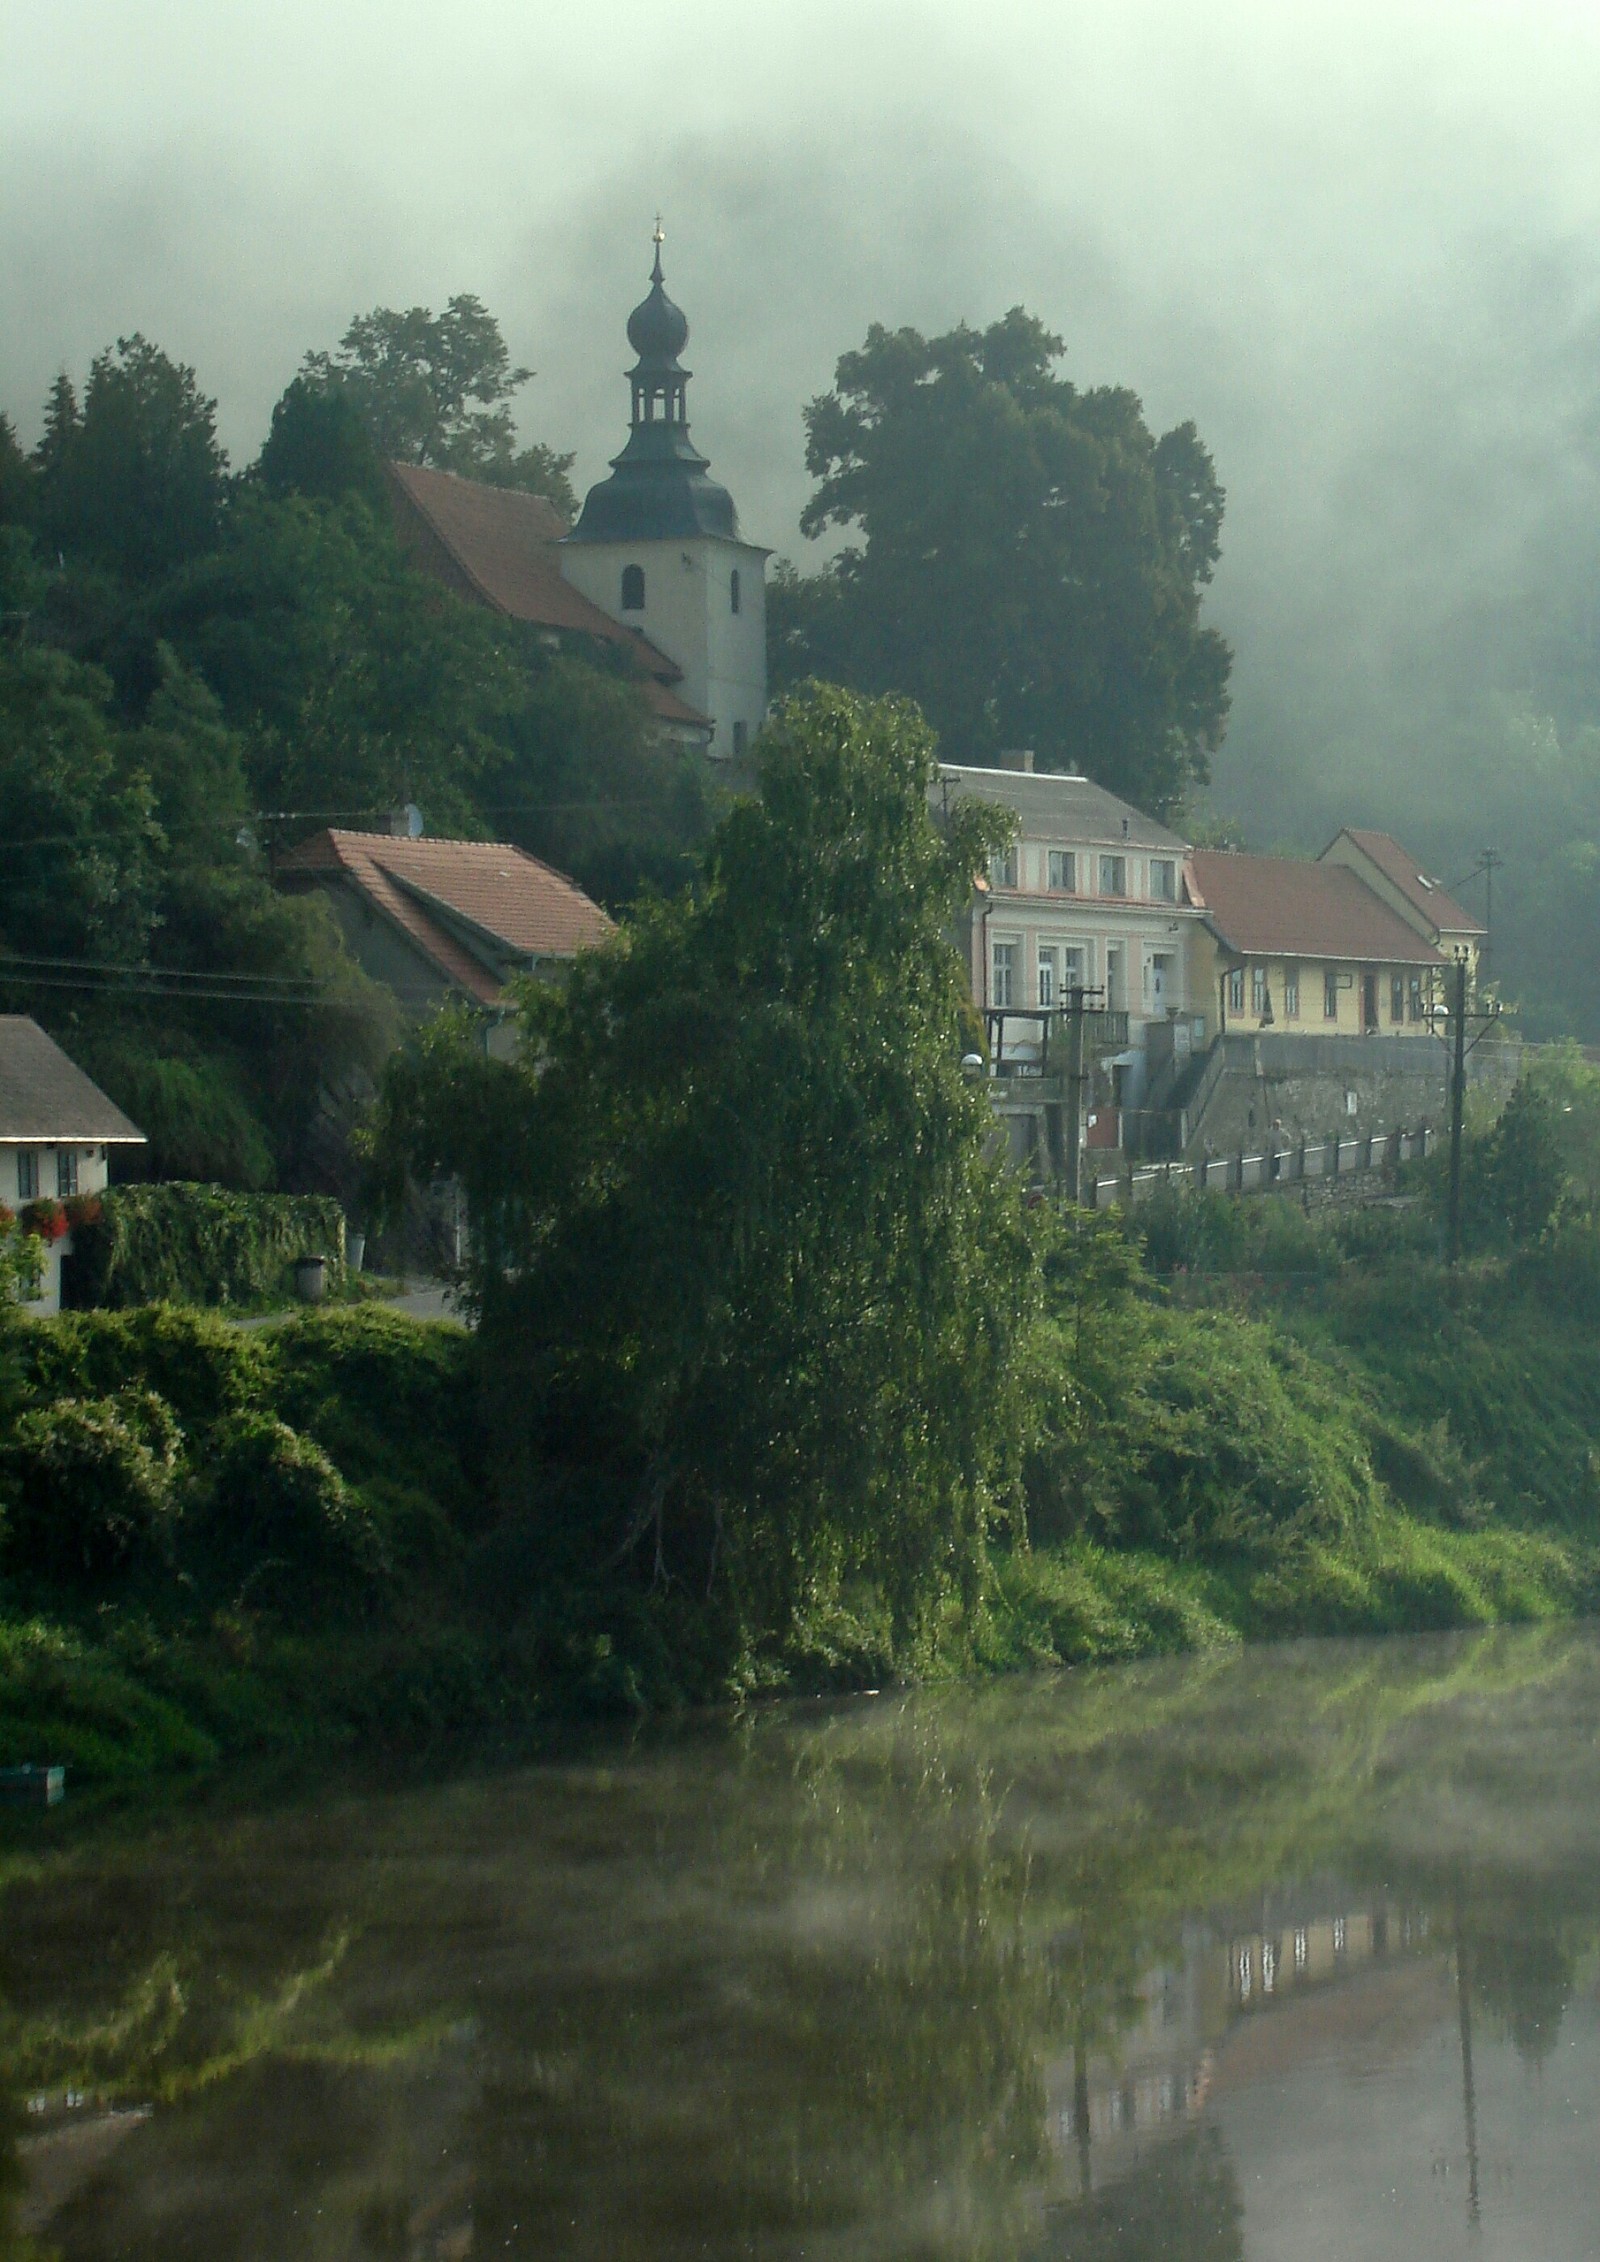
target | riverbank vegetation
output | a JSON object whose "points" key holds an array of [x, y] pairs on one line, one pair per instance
{"points": [[776, 1383]]}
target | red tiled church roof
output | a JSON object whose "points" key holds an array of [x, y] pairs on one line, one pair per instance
{"points": [[1276, 907], [520, 907], [497, 547]]}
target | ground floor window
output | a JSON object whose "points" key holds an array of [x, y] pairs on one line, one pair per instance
{"points": [[66, 1172], [1330, 996], [1236, 990], [1291, 993], [1047, 976], [1414, 998], [1258, 989], [27, 1178], [1004, 985], [1397, 997]]}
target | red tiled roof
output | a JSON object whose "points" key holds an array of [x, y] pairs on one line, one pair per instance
{"points": [[1402, 870], [497, 547], [518, 905], [1273, 906]]}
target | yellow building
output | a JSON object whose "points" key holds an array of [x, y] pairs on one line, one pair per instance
{"points": [[1310, 949], [1395, 876]]}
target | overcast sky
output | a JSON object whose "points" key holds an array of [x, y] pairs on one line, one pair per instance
{"points": [[1358, 244]]}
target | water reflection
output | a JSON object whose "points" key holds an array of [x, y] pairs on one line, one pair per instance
{"points": [[1281, 1954]]}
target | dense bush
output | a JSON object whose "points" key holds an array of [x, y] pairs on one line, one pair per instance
{"points": [[202, 1245], [276, 1524], [87, 1487]]}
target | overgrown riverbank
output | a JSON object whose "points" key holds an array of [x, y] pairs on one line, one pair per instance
{"points": [[292, 1544]]}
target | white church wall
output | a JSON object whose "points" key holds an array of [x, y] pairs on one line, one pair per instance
{"points": [[688, 614]]}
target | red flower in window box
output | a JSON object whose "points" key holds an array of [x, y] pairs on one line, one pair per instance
{"points": [[83, 1210], [8, 1218], [45, 1219]]}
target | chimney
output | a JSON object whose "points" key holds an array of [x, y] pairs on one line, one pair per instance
{"points": [[1016, 758]]}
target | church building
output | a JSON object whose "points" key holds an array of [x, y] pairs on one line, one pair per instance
{"points": [[658, 543], [656, 568]]}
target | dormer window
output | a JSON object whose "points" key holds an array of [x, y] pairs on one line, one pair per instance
{"points": [[733, 590], [1003, 868], [1063, 871], [633, 589], [1163, 880]]}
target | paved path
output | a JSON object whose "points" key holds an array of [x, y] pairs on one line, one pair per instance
{"points": [[418, 1299]]}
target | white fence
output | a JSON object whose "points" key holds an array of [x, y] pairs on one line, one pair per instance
{"points": [[1268, 1171]]}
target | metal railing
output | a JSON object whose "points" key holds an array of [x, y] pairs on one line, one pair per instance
{"points": [[1271, 1168]]}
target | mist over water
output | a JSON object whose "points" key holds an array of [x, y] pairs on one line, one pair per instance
{"points": [[1357, 245]]}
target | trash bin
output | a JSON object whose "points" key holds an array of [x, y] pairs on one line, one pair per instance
{"points": [[355, 1250], [311, 1279]]}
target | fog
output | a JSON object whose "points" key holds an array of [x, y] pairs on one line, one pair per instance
{"points": [[1357, 244]]}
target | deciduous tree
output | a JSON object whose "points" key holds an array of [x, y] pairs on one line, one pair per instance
{"points": [[1030, 558]]}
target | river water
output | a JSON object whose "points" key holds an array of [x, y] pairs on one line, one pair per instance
{"points": [[1287, 1954]]}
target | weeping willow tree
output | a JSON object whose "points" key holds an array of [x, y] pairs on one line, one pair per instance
{"points": [[748, 1284]]}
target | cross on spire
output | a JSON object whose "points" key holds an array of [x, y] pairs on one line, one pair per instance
{"points": [[658, 239]]}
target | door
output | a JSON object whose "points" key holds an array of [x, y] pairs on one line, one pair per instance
{"points": [[1369, 1003], [1159, 966]]}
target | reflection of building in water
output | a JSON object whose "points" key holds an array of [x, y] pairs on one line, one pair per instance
{"points": [[1166, 2063]]}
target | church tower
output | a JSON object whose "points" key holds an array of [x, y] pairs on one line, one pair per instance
{"points": [[657, 545]]}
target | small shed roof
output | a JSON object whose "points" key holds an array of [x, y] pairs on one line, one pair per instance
{"points": [[46, 1099], [1277, 907], [518, 906]]}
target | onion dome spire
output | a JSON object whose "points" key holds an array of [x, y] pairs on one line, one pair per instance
{"points": [[658, 490]]}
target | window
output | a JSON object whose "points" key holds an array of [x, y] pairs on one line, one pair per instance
{"points": [[1004, 988], [27, 1177], [1397, 997], [740, 741], [1414, 998], [1063, 871], [633, 589], [1072, 973], [733, 590], [1291, 993], [1047, 977], [1003, 869], [1330, 995], [1236, 990], [66, 1171], [1163, 880], [1113, 875], [1258, 989]]}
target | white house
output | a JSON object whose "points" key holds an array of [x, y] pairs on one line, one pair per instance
{"points": [[56, 1131], [658, 546], [1092, 894]]}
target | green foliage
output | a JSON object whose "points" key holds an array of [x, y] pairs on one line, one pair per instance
{"points": [[86, 1488], [1032, 561], [77, 863], [199, 1123], [135, 480], [745, 1275], [21, 1264], [1513, 1178], [276, 1526], [437, 389], [1185, 1230], [202, 1244], [319, 446]]}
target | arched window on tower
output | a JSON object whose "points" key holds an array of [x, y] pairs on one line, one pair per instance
{"points": [[733, 590], [633, 589]]}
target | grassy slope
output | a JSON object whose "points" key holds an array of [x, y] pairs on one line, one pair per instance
{"points": [[1379, 1456]]}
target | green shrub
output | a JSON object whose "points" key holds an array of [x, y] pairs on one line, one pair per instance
{"points": [[276, 1526], [186, 1244], [87, 1486], [192, 1111], [203, 1368]]}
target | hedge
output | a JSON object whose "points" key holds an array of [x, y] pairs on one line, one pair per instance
{"points": [[183, 1244]]}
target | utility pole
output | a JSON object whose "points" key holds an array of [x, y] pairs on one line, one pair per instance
{"points": [[1077, 1002], [1458, 1090], [1491, 861]]}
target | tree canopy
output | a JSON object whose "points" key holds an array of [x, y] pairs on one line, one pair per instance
{"points": [[1030, 563], [431, 389], [743, 1266]]}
